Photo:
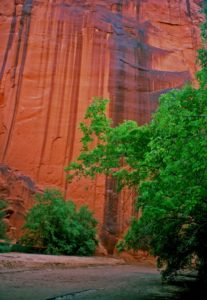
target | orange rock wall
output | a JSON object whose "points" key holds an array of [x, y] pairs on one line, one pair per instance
{"points": [[55, 55]]}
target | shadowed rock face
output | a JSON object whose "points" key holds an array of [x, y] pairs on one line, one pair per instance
{"points": [[56, 55]]}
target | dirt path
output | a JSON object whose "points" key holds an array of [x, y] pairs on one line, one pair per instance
{"points": [[41, 277]]}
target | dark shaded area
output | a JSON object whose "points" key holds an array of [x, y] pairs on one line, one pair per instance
{"points": [[110, 229], [192, 290], [188, 8]]}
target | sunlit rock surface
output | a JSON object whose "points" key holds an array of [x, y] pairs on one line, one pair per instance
{"points": [[56, 55]]}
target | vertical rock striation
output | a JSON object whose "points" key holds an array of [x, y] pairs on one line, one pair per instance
{"points": [[55, 55]]}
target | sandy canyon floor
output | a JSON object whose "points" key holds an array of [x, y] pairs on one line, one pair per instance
{"points": [[46, 277]]}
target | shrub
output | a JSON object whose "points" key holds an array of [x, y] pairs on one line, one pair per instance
{"points": [[55, 226], [5, 247], [2, 223]]}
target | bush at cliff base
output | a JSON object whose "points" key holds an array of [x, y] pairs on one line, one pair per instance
{"points": [[55, 226]]}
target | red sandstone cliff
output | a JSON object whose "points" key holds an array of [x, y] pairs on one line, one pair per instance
{"points": [[55, 55]]}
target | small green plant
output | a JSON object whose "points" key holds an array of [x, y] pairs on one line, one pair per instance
{"points": [[5, 247], [2, 223], [55, 226], [4, 244]]}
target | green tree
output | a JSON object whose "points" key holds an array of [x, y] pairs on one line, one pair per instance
{"points": [[55, 226], [119, 151], [166, 162], [173, 196]]}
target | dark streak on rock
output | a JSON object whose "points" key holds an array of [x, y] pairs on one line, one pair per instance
{"points": [[188, 8], [24, 29], [29, 182], [9, 43], [4, 169], [110, 229], [75, 95], [48, 115]]}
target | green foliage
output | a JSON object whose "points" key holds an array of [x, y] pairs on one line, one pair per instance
{"points": [[118, 152], [202, 53], [173, 197], [2, 223], [5, 247], [55, 226], [166, 162]]}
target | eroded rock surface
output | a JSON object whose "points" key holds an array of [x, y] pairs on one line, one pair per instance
{"points": [[56, 55], [19, 191]]}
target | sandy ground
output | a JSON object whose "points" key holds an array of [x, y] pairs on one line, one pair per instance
{"points": [[47, 277], [20, 261]]}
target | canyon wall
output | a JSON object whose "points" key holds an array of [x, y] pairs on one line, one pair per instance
{"points": [[55, 55]]}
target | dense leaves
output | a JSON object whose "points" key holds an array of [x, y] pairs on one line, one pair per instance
{"points": [[118, 151], [167, 162], [173, 197], [55, 226]]}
